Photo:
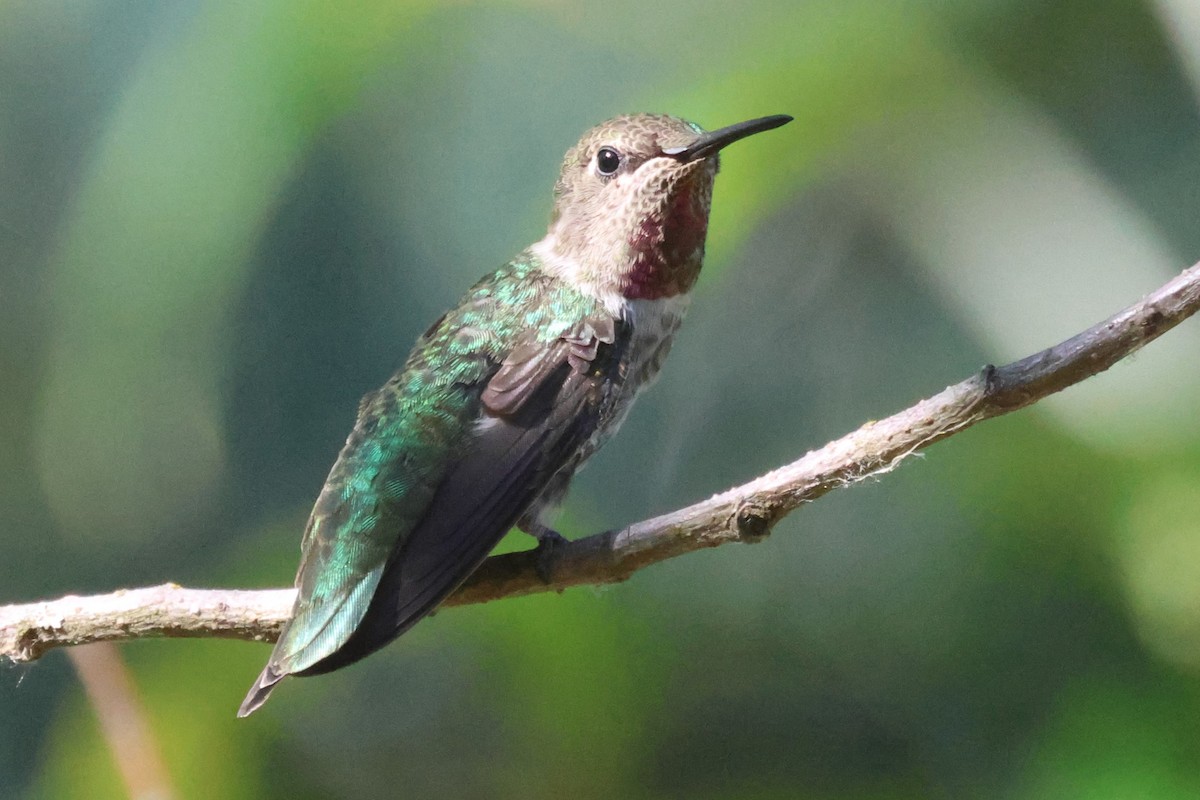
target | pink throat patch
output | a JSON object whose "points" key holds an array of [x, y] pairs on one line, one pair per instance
{"points": [[667, 253]]}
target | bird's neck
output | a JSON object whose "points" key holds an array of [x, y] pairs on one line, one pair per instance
{"points": [[659, 258], [666, 250]]}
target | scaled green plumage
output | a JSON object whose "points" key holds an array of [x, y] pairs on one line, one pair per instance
{"points": [[408, 434]]}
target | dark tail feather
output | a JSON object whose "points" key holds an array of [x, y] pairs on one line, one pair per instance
{"points": [[261, 690]]}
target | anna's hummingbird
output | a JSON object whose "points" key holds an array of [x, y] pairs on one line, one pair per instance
{"points": [[506, 395]]}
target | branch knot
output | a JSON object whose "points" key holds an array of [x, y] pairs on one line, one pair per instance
{"points": [[754, 523]]}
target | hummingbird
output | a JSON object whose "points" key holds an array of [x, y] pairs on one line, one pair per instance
{"points": [[506, 395]]}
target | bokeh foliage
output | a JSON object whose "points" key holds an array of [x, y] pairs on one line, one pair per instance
{"points": [[221, 223]]}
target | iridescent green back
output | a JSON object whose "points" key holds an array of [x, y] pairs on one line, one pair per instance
{"points": [[408, 434]]}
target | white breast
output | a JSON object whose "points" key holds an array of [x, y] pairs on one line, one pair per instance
{"points": [[654, 325]]}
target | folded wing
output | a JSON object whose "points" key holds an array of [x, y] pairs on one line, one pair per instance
{"points": [[528, 416]]}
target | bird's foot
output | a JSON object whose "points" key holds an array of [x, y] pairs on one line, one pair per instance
{"points": [[548, 541]]}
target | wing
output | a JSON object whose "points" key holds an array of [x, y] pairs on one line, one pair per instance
{"points": [[537, 411], [531, 363], [429, 481]]}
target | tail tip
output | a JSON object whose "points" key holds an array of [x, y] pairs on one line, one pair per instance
{"points": [[260, 691]]}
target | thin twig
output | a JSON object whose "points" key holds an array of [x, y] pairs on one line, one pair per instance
{"points": [[746, 513]]}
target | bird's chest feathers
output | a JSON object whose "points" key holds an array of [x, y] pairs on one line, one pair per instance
{"points": [[654, 325], [652, 329]]}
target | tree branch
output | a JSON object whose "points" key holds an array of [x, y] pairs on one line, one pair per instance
{"points": [[746, 513]]}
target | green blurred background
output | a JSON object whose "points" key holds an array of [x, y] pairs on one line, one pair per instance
{"points": [[223, 222]]}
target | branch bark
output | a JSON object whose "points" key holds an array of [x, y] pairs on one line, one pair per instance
{"points": [[745, 513]]}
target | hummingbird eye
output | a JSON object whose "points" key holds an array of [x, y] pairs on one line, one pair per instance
{"points": [[608, 161]]}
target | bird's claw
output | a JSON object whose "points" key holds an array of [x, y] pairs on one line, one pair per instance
{"points": [[548, 541]]}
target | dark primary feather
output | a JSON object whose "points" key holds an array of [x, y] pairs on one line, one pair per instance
{"points": [[443, 460]]}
